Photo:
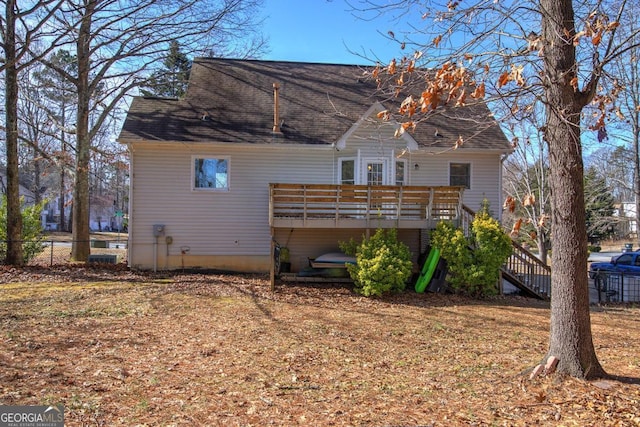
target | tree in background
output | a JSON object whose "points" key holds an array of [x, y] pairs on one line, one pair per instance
{"points": [[21, 26], [615, 166], [58, 99], [527, 196], [116, 45], [172, 80], [554, 54], [627, 73], [599, 207]]}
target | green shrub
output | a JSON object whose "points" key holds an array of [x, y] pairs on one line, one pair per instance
{"points": [[383, 264], [474, 262], [31, 230]]}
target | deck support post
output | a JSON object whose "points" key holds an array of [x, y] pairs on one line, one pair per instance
{"points": [[272, 263]]}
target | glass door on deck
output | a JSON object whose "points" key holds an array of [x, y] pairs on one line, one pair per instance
{"points": [[375, 173]]}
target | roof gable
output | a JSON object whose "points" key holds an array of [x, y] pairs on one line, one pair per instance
{"points": [[371, 116], [232, 101]]}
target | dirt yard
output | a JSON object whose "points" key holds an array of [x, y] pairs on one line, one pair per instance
{"points": [[123, 349]]}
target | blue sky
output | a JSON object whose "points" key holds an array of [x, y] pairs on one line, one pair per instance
{"points": [[323, 31]]}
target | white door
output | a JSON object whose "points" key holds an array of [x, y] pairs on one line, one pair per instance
{"points": [[375, 172]]}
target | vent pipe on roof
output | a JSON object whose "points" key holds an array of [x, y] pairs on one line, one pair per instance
{"points": [[276, 109]]}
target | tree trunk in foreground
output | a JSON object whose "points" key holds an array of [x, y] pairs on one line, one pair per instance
{"points": [[81, 248], [14, 255], [570, 336]]}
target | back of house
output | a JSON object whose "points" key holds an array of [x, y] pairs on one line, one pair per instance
{"points": [[297, 155]]}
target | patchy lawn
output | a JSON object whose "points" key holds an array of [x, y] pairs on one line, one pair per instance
{"points": [[118, 348]]}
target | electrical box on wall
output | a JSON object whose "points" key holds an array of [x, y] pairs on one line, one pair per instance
{"points": [[158, 230]]}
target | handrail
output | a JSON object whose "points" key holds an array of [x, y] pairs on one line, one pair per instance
{"points": [[529, 270]]}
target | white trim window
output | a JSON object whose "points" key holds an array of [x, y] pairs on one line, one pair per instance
{"points": [[347, 170], [210, 173], [401, 172], [460, 174], [372, 171]]}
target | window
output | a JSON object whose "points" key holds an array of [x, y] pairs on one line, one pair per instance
{"points": [[624, 259], [211, 174], [372, 171], [347, 171], [460, 174], [400, 174], [375, 173]]}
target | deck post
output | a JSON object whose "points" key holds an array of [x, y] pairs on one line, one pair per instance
{"points": [[272, 263]]}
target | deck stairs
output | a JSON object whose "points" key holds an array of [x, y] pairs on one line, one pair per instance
{"points": [[523, 269]]}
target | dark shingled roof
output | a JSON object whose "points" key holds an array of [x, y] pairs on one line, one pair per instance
{"points": [[318, 104]]}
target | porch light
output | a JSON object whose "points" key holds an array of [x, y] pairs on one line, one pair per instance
{"points": [[416, 166]]}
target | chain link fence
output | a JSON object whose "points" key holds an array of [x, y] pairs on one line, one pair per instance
{"points": [[49, 252]]}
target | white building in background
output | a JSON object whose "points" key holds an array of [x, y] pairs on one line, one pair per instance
{"points": [[28, 195], [627, 225]]}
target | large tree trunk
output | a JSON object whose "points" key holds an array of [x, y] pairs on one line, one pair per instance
{"points": [[80, 224], [570, 339], [636, 175], [14, 254]]}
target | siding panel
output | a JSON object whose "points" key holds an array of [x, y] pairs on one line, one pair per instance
{"points": [[217, 222], [232, 226]]}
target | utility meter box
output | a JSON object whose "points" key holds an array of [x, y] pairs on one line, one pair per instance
{"points": [[158, 230]]}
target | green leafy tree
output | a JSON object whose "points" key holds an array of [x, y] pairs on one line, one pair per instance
{"points": [[474, 262], [31, 239], [599, 206], [383, 264], [172, 80]]}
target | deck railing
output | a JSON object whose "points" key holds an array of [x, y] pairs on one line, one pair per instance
{"points": [[525, 267], [327, 205]]}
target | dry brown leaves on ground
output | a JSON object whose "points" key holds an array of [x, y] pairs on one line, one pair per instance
{"points": [[118, 348]]}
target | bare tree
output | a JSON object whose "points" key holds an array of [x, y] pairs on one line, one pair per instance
{"points": [[57, 97], [526, 187], [21, 25], [548, 52], [627, 73], [117, 45]]}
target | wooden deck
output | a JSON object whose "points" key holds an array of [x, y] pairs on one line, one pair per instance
{"points": [[362, 206]]}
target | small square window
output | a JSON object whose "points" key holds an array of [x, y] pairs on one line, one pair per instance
{"points": [[347, 171], [211, 174], [460, 174]]}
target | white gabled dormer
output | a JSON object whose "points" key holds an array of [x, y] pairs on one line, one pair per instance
{"points": [[370, 153]]}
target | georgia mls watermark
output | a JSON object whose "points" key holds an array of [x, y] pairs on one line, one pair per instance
{"points": [[31, 416]]}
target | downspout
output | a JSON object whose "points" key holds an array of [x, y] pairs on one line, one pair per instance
{"points": [[130, 206]]}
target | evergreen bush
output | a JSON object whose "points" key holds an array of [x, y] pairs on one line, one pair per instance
{"points": [[474, 262], [31, 230], [383, 264]]}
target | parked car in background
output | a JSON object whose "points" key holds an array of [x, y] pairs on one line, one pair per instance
{"points": [[627, 262], [619, 279]]}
